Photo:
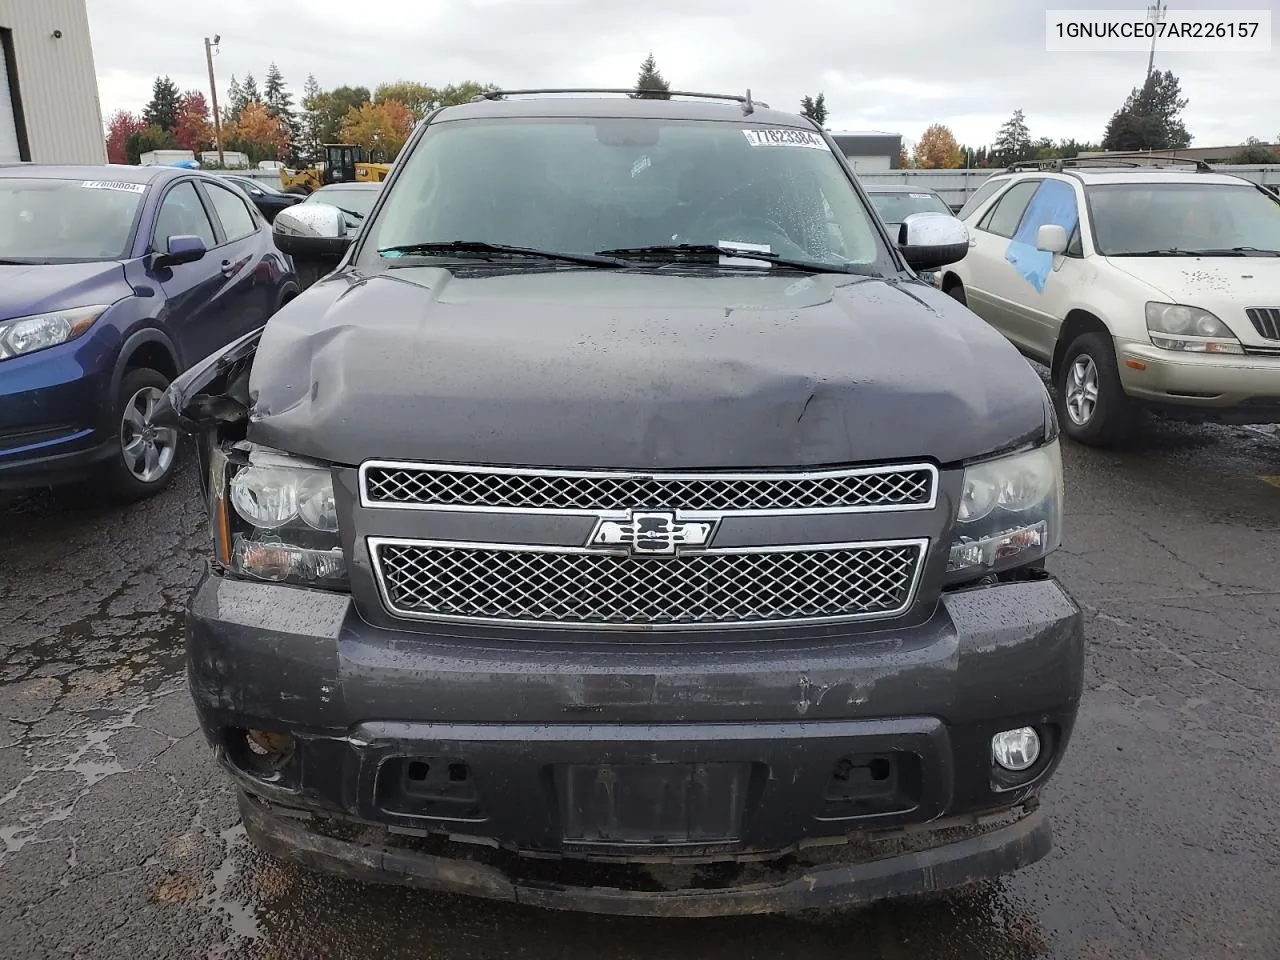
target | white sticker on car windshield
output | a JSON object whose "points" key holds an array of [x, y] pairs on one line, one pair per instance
{"points": [[640, 166], [114, 185], [783, 137], [921, 196], [745, 248]]}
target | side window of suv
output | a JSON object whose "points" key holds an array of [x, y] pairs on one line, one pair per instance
{"points": [[236, 219], [980, 196], [1054, 203], [1003, 218], [182, 214]]}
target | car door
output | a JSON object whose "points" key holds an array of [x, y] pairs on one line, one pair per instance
{"points": [[248, 294], [190, 289], [1049, 278], [995, 290]]}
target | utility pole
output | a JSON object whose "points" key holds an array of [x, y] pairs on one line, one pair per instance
{"points": [[209, 50], [1155, 13]]}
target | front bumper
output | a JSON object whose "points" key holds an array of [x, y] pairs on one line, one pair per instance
{"points": [[527, 739], [1241, 388], [52, 405], [1022, 839]]}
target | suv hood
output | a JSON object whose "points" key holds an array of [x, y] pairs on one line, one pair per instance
{"points": [[1200, 281], [644, 370], [39, 287]]}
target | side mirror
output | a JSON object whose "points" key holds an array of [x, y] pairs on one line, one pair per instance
{"points": [[1051, 238], [181, 248], [931, 240], [312, 231]]}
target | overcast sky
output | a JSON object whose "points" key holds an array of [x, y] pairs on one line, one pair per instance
{"points": [[895, 66]]}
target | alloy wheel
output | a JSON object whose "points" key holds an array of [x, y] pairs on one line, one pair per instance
{"points": [[148, 449]]}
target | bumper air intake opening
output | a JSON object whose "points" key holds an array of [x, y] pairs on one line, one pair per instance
{"points": [[875, 784], [434, 787]]}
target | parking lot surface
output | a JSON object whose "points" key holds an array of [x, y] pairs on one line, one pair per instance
{"points": [[119, 837]]}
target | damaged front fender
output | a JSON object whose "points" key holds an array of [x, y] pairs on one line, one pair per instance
{"points": [[210, 401]]}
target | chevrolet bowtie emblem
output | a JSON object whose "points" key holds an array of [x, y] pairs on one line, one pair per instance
{"points": [[655, 533]]}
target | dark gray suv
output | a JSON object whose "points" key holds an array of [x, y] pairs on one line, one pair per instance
{"points": [[617, 524]]}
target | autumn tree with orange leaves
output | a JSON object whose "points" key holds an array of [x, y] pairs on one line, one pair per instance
{"points": [[194, 130], [380, 128], [258, 134], [938, 149]]}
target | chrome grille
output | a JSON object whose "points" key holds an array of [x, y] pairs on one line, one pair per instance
{"points": [[1266, 320], [428, 486], [579, 588]]}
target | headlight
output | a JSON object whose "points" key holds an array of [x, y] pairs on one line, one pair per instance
{"points": [[1173, 326], [28, 334], [274, 517], [1010, 513]]}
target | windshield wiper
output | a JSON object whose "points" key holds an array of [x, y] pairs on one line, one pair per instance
{"points": [[1223, 252], [1237, 252], [350, 213], [493, 250], [702, 251]]}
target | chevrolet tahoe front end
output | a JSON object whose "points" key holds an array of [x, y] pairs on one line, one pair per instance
{"points": [[723, 593]]}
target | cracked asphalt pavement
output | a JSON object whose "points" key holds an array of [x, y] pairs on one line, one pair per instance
{"points": [[119, 837]]}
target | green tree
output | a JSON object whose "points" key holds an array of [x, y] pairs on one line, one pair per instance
{"points": [[418, 97], [1150, 118], [275, 95], [650, 84], [279, 103], [464, 92], [165, 105], [815, 109], [310, 136], [1254, 151], [334, 106], [234, 103], [1013, 142], [153, 137], [249, 89]]}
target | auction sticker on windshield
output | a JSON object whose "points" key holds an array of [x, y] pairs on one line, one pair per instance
{"points": [[783, 137], [114, 185]]}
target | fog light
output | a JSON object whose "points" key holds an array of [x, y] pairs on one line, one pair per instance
{"points": [[1016, 750]]}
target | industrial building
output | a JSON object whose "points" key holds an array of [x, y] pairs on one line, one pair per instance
{"points": [[870, 151], [49, 108]]}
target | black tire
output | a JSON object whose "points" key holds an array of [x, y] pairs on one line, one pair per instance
{"points": [[1111, 417], [957, 293], [124, 481]]}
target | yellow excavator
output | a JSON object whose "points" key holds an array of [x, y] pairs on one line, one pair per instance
{"points": [[343, 163]]}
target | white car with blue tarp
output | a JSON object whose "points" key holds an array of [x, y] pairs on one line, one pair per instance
{"points": [[1143, 287]]}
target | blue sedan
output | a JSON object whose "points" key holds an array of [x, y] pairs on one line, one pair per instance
{"points": [[114, 280]]}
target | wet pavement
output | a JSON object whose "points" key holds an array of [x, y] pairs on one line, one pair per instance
{"points": [[119, 837]]}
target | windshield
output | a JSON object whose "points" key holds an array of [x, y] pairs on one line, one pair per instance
{"points": [[1135, 218], [896, 207], [355, 201], [585, 185], [42, 219]]}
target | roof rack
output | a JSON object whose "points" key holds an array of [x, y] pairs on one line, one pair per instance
{"points": [[748, 105], [1110, 160]]}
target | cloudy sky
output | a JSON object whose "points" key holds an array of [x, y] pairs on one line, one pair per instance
{"points": [[896, 66]]}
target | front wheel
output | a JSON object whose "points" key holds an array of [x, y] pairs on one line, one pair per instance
{"points": [[146, 452], [1093, 408]]}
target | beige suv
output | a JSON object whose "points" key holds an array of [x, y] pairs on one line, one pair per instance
{"points": [[1141, 287]]}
